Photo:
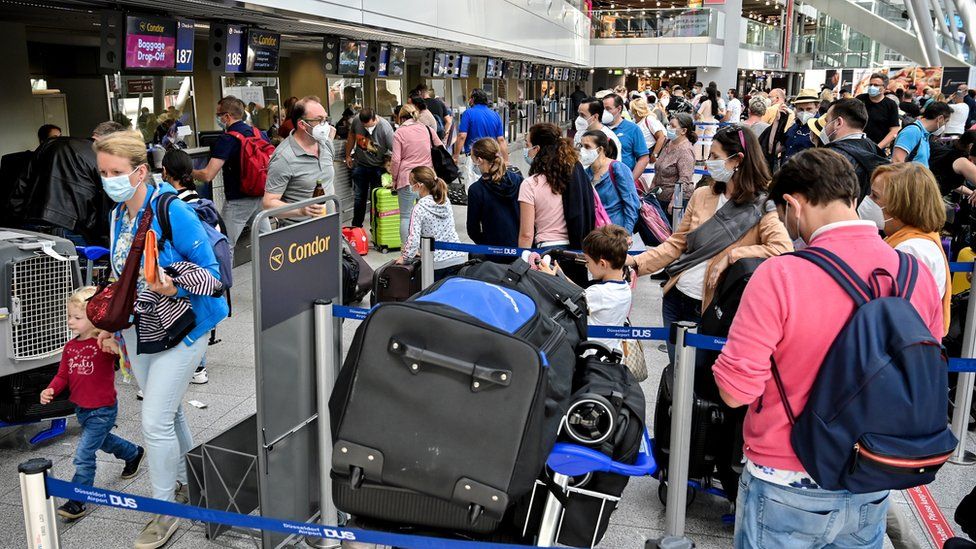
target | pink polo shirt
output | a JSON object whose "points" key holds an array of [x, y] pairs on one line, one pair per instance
{"points": [[793, 311]]}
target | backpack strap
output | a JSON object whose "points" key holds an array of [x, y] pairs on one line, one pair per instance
{"points": [[841, 272], [162, 215], [257, 132], [907, 274]]}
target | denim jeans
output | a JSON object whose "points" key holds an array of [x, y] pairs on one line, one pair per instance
{"points": [[407, 198], [236, 213], [770, 516], [164, 378], [364, 180], [677, 307], [96, 434]]}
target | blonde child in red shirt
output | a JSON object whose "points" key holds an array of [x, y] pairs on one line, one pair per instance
{"points": [[88, 371]]}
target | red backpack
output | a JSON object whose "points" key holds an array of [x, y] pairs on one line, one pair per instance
{"points": [[255, 157]]}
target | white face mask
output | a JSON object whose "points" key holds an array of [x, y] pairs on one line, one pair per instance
{"points": [[665, 101], [939, 131], [581, 124], [607, 118], [795, 234], [870, 211], [588, 157], [804, 116], [718, 170], [321, 132], [369, 129]]}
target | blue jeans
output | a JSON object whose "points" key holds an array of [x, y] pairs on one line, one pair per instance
{"points": [[772, 516], [677, 307], [96, 434], [364, 180], [164, 378], [407, 198]]}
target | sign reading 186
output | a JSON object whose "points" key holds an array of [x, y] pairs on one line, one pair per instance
{"points": [[235, 49]]}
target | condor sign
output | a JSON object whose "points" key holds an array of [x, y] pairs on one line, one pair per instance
{"points": [[299, 265]]}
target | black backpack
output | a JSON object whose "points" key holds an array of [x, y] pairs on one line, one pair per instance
{"points": [[867, 162]]}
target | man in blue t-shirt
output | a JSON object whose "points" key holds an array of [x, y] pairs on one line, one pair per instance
{"points": [[912, 143], [478, 122], [633, 147], [225, 157]]}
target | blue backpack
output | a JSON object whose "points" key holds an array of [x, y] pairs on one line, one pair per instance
{"points": [[210, 219], [876, 416]]}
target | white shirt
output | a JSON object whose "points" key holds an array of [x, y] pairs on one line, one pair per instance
{"points": [[650, 126], [609, 304], [957, 120], [734, 111], [930, 255], [692, 281]]}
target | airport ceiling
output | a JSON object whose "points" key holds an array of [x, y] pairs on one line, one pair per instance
{"points": [[299, 32]]}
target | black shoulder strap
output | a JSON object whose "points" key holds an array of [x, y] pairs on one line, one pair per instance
{"points": [[782, 391], [914, 152], [162, 215], [841, 272]]}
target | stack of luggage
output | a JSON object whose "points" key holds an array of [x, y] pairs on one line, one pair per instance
{"points": [[448, 404]]}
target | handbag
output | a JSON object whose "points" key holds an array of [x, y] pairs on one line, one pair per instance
{"points": [[653, 217], [601, 218], [442, 161], [456, 194], [111, 308], [634, 359]]}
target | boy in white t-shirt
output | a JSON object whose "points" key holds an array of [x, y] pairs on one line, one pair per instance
{"points": [[609, 297]]}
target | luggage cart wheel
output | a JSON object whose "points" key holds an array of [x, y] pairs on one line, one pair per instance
{"points": [[384, 250], [662, 494]]}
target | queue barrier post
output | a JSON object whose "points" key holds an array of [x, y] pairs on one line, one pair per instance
{"points": [[964, 391], [678, 205], [325, 376], [426, 262], [681, 409], [39, 519], [552, 513]]}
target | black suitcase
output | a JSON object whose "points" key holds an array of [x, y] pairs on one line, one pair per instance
{"points": [[434, 400], [357, 275], [20, 393], [706, 417], [394, 282]]}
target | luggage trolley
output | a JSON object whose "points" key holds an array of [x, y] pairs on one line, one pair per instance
{"points": [[572, 460], [96, 270]]}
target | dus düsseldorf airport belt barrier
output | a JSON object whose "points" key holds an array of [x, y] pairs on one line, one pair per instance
{"points": [[38, 489]]}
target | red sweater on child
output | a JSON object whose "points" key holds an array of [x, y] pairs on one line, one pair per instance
{"points": [[88, 372]]}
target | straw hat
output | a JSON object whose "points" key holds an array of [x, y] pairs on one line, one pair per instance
{"points": [[806, 95], [817, 125]]}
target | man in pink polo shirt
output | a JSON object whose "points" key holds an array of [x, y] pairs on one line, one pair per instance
{"points": [[793, 311]]}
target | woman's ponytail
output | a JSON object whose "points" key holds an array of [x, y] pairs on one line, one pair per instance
{"points": [[186, 180], [439, 192], [488, 150]]}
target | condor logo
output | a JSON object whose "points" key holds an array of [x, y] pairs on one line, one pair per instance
{"points": [[298, 252]]}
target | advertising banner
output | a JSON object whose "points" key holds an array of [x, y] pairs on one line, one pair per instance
{"points": [[262, 50]]}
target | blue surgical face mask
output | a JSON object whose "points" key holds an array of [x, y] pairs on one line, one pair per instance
{"points": [[528, 159], [671, 134], [119, 188], [220, 123], [874, 91], [718, 171]]}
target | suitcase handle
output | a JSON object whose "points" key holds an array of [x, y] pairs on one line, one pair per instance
{"points": [[413, 357]]}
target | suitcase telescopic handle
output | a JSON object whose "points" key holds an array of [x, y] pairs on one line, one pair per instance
{"points": [[414, 357]]}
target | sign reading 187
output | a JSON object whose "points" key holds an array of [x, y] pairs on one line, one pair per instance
{"points": [[184, 56]]}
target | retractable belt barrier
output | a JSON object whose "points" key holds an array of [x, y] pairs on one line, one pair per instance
{"points": [[52, 487]]}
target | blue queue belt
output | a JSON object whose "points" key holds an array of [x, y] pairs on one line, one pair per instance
{"points": [[495, 250], [130, 502]]}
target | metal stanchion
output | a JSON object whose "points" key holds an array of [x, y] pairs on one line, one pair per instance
{"points": [[426, 262], [325, 376], [678, 205], [964, 390], [39, 519], [552, 513], [681, 408]]}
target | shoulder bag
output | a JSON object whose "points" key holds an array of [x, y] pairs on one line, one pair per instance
{"points": [[111, 308]]}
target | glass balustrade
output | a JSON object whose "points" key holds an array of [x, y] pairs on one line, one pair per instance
{"points": [[653, 23]]}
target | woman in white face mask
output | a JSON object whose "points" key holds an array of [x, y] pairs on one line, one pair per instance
{"points": [[914, 214], [163, 375], [724, 222], [676, 163], [613, 181]]}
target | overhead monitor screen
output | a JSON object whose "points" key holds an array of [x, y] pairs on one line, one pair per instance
{"points": [[383, 66], [262, 50], [465, 66], [184, 45], [352, 58], [150, 43], [398, 60], [236, 49]]}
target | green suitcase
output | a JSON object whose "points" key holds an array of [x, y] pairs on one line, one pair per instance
{"points": [[385, 220]]}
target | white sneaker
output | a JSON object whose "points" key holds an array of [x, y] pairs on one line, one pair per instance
{"points": [[139, 395], [200, 377]]}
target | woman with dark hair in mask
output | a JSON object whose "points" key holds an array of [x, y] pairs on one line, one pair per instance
{"points": [[677, 161], [613, 181], [724, 222]]}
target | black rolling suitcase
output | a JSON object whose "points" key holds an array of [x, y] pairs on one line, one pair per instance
{"points": [[443, 412], [357, 276], [394, 282]]}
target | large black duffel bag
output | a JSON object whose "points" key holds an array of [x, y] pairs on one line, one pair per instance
{"points": [[448, 396]]}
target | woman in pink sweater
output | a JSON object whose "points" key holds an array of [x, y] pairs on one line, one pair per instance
{"points": [[411, 148]]}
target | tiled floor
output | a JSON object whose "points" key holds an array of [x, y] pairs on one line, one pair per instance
{"points": [[230, 397]]}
